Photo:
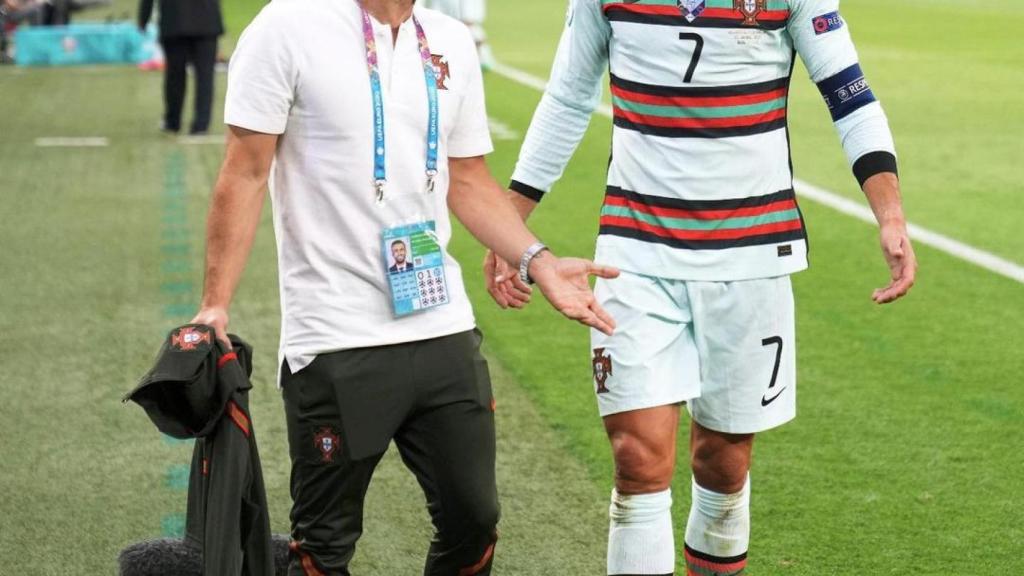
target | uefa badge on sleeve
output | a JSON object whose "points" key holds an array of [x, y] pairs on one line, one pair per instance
{"points": [[691, 9], [827, 23]]}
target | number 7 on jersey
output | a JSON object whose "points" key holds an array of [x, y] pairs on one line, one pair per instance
{"points": [[698, 48]]}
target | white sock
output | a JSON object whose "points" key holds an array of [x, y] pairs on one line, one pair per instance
{"points": [[640, 539], [718, 531]]}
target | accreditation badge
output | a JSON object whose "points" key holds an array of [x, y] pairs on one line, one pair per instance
{"points": [[415, 268]]}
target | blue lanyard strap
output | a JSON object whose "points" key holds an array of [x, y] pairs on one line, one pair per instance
{"points": [[433, 129]]}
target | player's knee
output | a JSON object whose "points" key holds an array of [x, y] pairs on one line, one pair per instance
{"points": [[483, 519], [475, 519], [640, 467], [721, 466]]}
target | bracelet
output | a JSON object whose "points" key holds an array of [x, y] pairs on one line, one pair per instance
{"points": [[524, 262]]}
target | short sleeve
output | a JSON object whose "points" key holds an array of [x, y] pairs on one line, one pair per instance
{"points": [[262, 76], [471, 134]]}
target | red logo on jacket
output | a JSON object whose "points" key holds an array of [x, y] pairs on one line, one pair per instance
{"points": [[189, 338]]}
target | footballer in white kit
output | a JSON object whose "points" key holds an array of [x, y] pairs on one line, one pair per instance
{"points": [[701, 216], [472, 13]]}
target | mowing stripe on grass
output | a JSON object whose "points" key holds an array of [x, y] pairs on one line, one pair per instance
{"points": [[950, 246], [178, 291], [941, 242]]}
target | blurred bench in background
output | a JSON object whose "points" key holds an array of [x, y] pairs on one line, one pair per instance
{"points": [[83, 43]]}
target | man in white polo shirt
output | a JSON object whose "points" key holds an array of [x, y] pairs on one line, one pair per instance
{"points": [[373, 119]]}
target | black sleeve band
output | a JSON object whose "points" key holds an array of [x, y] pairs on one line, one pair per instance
{"points": [[874, 163], [525, 190]]}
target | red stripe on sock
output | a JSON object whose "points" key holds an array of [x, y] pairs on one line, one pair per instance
{"points": [[692, 560]]}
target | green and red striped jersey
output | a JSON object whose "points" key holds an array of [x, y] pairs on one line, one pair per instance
{"points": [[700, 183]]}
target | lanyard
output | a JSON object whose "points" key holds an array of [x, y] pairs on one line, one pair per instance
{"points": [[379, 157]]}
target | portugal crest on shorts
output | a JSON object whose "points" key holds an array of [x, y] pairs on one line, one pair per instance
{"points": [[691, 9], [602, 369], [441, 70], [327, 442], [750, 10], [189, 338]]}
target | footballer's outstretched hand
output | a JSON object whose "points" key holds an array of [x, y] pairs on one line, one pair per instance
{"points": [[565, 283], [217, 318], [899, 255], [504, 284]]}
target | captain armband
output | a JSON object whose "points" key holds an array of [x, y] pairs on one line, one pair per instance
{"points": [[846, 92]]}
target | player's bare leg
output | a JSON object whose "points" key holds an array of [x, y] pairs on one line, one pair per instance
{"points": [[718, 530], [640, 539], [473, 13]]}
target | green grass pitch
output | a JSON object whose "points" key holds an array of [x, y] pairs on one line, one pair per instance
{"points": [[905, 458]]}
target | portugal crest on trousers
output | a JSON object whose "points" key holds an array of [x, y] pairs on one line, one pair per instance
{"points": [[327, 442]]}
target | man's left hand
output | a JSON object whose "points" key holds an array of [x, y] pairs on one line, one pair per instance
{"points": [[899, 255], [565, 283]]}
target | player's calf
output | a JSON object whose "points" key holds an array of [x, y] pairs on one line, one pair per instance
{"points": [[720, 461], [718, 529], [640, 538]]}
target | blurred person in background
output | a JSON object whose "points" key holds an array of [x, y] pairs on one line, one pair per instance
{"points": [[12, 14], [188, 34], [472, 13]]}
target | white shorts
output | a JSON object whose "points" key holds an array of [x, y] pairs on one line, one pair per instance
{"points": [[726, 348]]}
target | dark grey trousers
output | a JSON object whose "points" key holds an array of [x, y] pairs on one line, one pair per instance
{"points": [[434, 399]]}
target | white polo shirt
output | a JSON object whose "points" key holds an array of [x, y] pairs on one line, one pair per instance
{"points": [[300, 71]]}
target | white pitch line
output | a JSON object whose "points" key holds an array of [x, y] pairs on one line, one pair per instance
{"points": [[950, 246], [72, 142], [501, 130], [920, 234]]}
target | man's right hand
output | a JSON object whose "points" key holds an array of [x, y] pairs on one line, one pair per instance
{"points": [[217, 318], [504, 284]]}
